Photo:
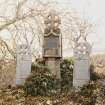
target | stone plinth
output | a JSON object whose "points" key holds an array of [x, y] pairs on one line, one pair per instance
{"points": [[54, 66]]}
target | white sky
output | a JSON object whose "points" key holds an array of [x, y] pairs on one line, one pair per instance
{"points": [[94, 11]]}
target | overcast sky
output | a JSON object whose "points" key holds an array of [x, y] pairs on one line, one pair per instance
{"points": [[94, 11]]}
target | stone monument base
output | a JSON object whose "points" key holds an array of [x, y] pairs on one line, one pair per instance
{"points": [[54, 66], [79, 83]]}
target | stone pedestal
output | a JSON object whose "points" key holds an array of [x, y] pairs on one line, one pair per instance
{"points": [[23, 67], [54, 66]]}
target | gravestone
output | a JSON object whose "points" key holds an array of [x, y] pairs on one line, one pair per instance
{"points": [[52, 45], [81, 73], [23, 67]]}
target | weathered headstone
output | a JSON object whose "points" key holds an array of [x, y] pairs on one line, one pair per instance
{"points": [[24, 60], [52, 51], [81, 73]]}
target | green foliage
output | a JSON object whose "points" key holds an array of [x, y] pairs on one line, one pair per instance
{"points": [[67, 73], [41, 82]]}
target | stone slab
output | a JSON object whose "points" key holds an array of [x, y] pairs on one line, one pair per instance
{"points": [[81, 74], [23, 67]]}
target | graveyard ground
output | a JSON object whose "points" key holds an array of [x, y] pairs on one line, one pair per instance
{"points": [[91, 94]]}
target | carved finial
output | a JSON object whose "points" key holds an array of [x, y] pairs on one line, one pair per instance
{"points": [[83, 49], [52, 22]]}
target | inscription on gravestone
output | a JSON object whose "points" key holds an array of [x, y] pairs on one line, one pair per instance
{"points": [[52, 42]]}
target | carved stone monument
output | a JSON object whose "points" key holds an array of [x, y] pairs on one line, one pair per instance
{"points": [[81, 73], [52, 51], [24, 60]]}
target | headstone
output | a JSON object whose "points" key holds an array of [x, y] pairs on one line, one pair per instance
{"points": [[23, 67], [52, 51], [81, 73]]}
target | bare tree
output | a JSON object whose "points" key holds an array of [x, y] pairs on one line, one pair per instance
{"points": [[78, 28], [24, 24]]}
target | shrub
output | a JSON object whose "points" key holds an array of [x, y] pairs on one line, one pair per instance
{"points": [[41, 82], [67, 73]]}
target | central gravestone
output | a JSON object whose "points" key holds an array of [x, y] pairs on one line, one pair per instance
{"points": [[81, 74], [23, 67], [52, 43]]}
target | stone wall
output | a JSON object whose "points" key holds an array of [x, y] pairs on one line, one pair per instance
{"points": [[7, 73], [99, 63]]}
